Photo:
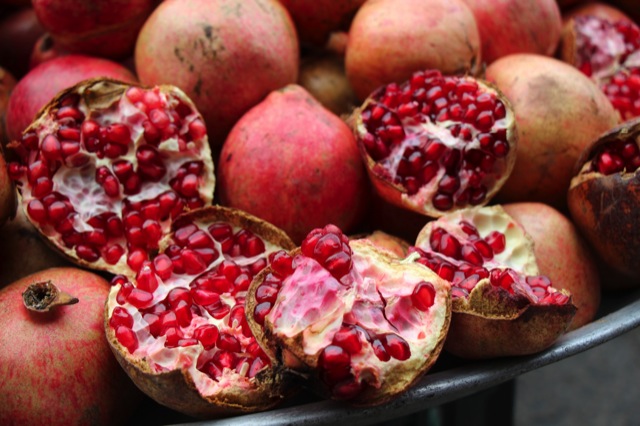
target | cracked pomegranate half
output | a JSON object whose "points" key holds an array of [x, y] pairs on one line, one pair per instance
{"points": [[179, 327], [358, 322], [435, 143], [501, 305], [604, 201], [609, 53], [106, 165]]}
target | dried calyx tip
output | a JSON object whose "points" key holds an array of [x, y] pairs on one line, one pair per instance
{"points": [[43, 296]]}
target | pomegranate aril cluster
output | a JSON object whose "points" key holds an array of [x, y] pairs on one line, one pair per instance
{"points": [[616, 157], [469, 146], [82, 172]]}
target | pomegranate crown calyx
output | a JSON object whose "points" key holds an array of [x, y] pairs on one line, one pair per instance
{"points": [[44, 296]]}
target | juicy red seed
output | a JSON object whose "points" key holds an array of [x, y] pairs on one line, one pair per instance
{"points": [[442, 202], [261, 311], [449, 246], [127, 338], [423, 296], [207, 335], [348, 339], [112, 254], [119, 317], [339, 264], [281, 263], [497, 241], [230, 270], [396, 346], [163, 266], [471, 255], [334, 358], [347, 389], [87, 253], [483, 248], [199, 239], [51, 148], [228, 342], [192, 262], [197, 129], [326, 246], [189, 185], [380, 351], [118, 133], [114, 227], [139, 298], [152, 230], [146, 279], [159, 118], [136, 258], [37, 211], [204, 297], [449, 184], [42, 187], [253, 247], [446, 271], [182, 234], [183, 313], [266, 293]]}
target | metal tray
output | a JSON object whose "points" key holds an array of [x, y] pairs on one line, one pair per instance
{"points": [[449, 380]]}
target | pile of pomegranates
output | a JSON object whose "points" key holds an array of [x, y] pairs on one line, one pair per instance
{"points": [[218, 203]]}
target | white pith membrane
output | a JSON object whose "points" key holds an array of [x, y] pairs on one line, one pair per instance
{"points": [[73, 176], [609, 53], [467, 278], [375, 296], [479, 138], [193, 356]]}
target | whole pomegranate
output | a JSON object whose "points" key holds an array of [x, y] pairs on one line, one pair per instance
{"points": [[227, 55], [43, 82], [7, 194], [502, 305], [295, 164], [55, 363], [179, 327], [391, 39], [19, 31], [563, 255], [435, 143], [604, 201], [44, 50], [359, 323], [549, 99], [516, 26], [105, 28], [324, 77], [316, 19], [106, 166]]}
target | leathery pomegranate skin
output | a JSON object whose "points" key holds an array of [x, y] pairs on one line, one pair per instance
{"points": [[501, 306], [391, 39], [357, 322], [56, 366], [106, 166], [549, 98], [179, 327], [598, 9], [295, 164], [604, 201], [104, 28], [435, 143], [563, 255], [517, 26], [42, 83], [246, 49]]}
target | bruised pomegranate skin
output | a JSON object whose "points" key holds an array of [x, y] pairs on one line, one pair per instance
{"points": [[42, 83], [391, 39], [516, 26], [360, 324], [549, 99], [563, 255], [104, 28], [501, 306], [56, 366], [245, 49], [179, 327], [295, 164]]}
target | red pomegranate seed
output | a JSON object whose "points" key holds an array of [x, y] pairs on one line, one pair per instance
{"points": [[204, 297], [112, 254], [140, 298], [119, 317], [163, 266], [118, 133], [261, 311], [449, 246], [396, 346], [146, 278], [87, 253], [192, 262], [183, 313], [423, 296], [199, 239], [380, 351], [37, 211], [471, 255], [446, 271], [266, 293], [127, 338], [197, 129], [281, 263], [497, 241], [228, 342], [51, 148], [335, 361], [339, 264], [152, 231], [136, 258], [182, 234], [442, 202], [207, 335], [189, 185], [348, 339]]}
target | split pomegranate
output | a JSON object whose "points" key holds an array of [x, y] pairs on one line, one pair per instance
{"points": [[55, 364], [437, 143], [604, 201], [389, 40], [502, 306], [179, 327], [359, 323], [105, 167], [609, 53]]}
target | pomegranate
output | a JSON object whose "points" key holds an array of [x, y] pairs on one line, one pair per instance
{"points": [[516, 26], [7, 83], [502, 306], [597, 9], [630, 7], [105, 28], [563, 255], [396, 245], [437, 143], [294, 164], [604, 201], [549, 98], [179, 328], [7, 195], [105, 167], [360, 324], [233, 39], [315, 20], [24, 252], [323, 76], [44, 50], [19, 31], [55, 364], [389, 40], [609, 53], [42, 83]]}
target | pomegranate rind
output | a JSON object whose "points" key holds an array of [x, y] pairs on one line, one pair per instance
{"points": [[100, 94], [300, 352], [176, 388], [606, 209], [420, 202], [385, 241], [492, 322]]}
